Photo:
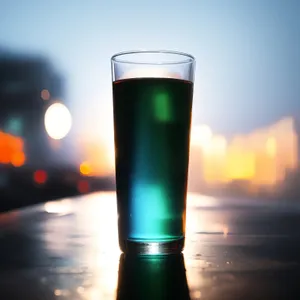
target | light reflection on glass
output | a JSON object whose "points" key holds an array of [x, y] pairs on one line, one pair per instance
{"points": [[147, 72], [154, 248]]}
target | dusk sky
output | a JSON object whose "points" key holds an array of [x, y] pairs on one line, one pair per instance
{"points": [[247, 52]]}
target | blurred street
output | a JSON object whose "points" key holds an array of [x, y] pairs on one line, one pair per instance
{"points": [[23, 187]]}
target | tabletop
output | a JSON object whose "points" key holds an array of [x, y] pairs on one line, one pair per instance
{"points": [[68, 249]]}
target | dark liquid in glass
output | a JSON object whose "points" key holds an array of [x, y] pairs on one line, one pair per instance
{"points": [[152, 119]]}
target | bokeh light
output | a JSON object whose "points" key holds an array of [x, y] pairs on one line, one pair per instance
{"points": [[201, 135], [58, 121], [40, 176], [271, 146], [262, 157], [18, 159], [45, 94], [11, 150], [85, 168], [83, 186]]}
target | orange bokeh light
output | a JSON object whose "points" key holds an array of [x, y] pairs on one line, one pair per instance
{"points": [[5, 155], [18, 159], [85, 168], [97, 158], [11, 150]]}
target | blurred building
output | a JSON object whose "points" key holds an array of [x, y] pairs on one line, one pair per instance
{"points": [[28, 87], [260, 161]]}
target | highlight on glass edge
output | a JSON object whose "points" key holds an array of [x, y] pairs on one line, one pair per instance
{"points": [[152, 104]]}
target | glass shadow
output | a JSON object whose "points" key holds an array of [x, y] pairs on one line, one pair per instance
{"points": [[152, 277]]}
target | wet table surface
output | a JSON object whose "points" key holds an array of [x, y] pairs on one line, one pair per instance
{"points": [[68, 249]]}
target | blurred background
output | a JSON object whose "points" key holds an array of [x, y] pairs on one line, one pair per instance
{"points": [[56, 122]]}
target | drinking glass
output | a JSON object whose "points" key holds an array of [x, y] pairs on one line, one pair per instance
{"points": [[152, 104]]}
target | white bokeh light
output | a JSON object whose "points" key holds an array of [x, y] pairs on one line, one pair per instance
{"points": [[58, 121]]}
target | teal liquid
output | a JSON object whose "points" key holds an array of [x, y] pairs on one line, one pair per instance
{"points": [[152, 119]]}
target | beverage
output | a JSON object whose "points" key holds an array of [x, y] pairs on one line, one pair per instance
{"points": [[152, 119]]}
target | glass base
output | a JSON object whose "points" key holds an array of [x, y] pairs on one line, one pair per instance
{"points": [[152, 248]]}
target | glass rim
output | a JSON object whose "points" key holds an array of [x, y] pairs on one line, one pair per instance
{"points": [[186, 58]]}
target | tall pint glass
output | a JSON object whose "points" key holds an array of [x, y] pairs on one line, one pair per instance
{"points": [[152, 104]]}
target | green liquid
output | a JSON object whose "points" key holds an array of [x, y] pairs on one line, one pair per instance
{"points": [[152, 119], [153, 277]]}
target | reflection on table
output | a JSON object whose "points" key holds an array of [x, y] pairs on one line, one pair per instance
{"points": [[68, 249]]}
